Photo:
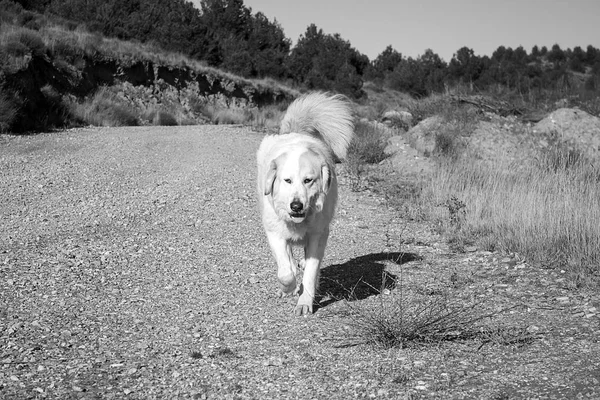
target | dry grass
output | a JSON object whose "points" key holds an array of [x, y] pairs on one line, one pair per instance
{"points": [[547, 212], [267, 118], [406, 318], [105, 108], [367, 147]]}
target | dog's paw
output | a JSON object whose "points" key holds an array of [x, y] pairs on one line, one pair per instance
{"points": [[304, 306], [302, 263], [288, 286], [281, 294]]}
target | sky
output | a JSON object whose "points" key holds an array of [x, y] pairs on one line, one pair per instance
{"points": [[412, 26]]}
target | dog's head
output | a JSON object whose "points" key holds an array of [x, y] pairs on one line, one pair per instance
{"points": [[298, 182]]}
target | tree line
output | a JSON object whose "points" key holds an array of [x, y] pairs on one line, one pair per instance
{"points": [[228, 35]]}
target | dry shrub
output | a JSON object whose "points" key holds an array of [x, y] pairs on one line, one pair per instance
{"points": [[369, 142], [410, 318], [164, 118], [105, 108]]}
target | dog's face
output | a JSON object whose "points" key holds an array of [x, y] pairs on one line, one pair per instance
{"points": [[298, 182]]}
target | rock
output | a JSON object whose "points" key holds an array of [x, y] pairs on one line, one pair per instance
{"points": [[422, 136], [573, 127]]}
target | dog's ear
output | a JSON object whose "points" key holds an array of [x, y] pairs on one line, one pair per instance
{"points": [[270, 179], [325, 178]]}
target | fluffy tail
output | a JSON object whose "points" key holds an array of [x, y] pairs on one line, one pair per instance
{"points": [[327, 117]]}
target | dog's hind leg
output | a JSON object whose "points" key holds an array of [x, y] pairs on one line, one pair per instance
{"points": [[286, 265], [314, 252]]}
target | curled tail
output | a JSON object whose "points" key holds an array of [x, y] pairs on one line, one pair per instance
{"points": [[325, 116]]}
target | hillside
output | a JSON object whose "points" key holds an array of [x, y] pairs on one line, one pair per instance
{"points": [[72, 62], [48, 74]]}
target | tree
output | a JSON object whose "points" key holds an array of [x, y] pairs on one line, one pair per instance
{"points": [[384, 63], [556, 55], [592, 55], [323, 61], [465, 66], [577, 60], [433, 70]]}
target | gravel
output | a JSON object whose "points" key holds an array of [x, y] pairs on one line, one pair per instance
{"points": [[133, 265]]}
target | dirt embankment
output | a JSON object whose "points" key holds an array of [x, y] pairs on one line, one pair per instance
{"points": [[38, 87]]}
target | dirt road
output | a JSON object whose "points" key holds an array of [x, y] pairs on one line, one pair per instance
{"points": [[133, 265]]}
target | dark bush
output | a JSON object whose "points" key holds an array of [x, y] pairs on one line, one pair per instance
{"points": [[8, 111], [32, 40], [164, 118]]}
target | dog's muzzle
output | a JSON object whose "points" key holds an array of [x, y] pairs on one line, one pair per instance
{"points": [[297, 213]]}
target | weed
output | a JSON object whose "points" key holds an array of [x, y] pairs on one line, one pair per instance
{"points": [[224, 352], [406, 318], [456, 211], [356, 169]]}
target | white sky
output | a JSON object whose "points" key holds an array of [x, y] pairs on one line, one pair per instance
{"points": [[412, 26]]}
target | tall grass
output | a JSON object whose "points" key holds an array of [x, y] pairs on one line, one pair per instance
{"points": [[549, 211], [105, 108]]}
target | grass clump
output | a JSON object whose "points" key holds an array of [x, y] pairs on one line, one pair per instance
{"points": [[406, 318], [105, 108], [369, 142], [367, 147]]}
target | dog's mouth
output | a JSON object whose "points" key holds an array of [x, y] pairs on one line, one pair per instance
{"points": [[297, 216]]}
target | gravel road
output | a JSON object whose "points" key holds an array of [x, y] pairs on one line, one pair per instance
{"points": [[133, 265]]}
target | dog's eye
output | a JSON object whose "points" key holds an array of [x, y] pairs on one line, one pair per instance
{"points": [[308, 180], [288, 180]]}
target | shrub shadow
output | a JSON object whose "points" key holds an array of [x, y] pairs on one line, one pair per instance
{"points": [[359, 277]]}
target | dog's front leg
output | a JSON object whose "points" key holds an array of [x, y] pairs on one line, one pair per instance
{"points": [[286, 265], [314, 252]]}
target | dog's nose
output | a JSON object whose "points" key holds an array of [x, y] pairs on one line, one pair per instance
{"points": [[296, 206]]}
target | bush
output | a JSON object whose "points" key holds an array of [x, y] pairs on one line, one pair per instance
{"points": [[405, 318], [32, 40], [66, 48], [164, 118], [105, 109], [8, 112], [13, 48], [369, 143]]}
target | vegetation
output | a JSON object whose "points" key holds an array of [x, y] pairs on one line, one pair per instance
{"points": [[409, 318], [546, 211], [45, 50], [105, 109], [227, 35]]}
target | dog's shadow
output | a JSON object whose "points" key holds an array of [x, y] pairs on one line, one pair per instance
{"points": [[359, 277]]}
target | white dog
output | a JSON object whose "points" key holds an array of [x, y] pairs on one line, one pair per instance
{"points": [[297, 187]]}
